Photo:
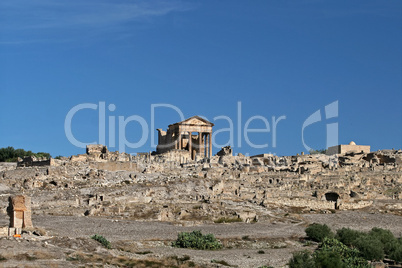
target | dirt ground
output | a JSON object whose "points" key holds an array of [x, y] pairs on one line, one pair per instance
{"points": [[67, 241]]}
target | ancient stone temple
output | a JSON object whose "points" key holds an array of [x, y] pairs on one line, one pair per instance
{"points": [[193, 134]]}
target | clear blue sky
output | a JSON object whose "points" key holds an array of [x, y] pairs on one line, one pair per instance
{"points": [[277, 58]]}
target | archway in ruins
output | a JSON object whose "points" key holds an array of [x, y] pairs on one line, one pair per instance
{"points": [[332, 196]]}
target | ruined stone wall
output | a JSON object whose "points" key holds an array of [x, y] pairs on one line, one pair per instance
{"points": [[32, 162], [114, 166], [345, 148]]}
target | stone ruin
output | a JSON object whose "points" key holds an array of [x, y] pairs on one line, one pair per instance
{"points": [[33, 161], [19, 211], [178, 184], [180, 136], [227, 150], [348, 148]]}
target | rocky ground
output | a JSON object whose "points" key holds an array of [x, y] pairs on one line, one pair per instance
{"points": [[141, 203], [66, 242]]}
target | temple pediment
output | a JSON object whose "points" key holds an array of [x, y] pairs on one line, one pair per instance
{"points": [[195, 121]]}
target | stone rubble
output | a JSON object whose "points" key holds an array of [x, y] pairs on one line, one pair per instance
{"points": [[172, 187]]}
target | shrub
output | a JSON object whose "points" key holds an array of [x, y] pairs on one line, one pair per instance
{"points": [[196, 240], [385, 236], [351, 257], [301, 259], [370, 247], [328, 259], [102, 240], [396, 252], [317, 232], [348, 236]]}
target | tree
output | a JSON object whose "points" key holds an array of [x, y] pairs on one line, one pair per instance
{"points": [[328, 259], [387, 239], [370, 247], [347, 236], [9, 154], [317, 232]]}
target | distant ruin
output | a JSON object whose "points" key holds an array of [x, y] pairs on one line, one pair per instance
{"points": [[179, 136], [33, 161], [351, 147], [183, 181]]}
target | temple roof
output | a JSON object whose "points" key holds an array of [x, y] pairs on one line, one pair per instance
{"points": [[194, 121]]}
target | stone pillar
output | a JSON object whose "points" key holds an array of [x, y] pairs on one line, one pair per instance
{"points": [[206, 145], [19, 211], [179, 140], [210, 144], [27, 214], [200, 144], [189, 145]]}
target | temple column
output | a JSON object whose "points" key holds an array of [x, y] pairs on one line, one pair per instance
{"points": [[210, 144], [200, 143], [180, 141], [189, 145], [204, 144]]}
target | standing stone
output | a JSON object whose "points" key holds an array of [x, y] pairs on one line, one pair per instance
{"points": [[19, 211]]}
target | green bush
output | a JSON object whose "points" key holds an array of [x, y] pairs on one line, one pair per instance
{"points": [[374, 244], [331, 253], [386, 238], [349, 249], [301, 259], [328, 259], [102, 240], [396, 251], [370, 247], [351, 257], [348, 236], [317, 232], [196, 240]]}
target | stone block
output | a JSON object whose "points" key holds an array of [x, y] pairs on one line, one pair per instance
{"points": [[4, 231], [11, 231]]}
